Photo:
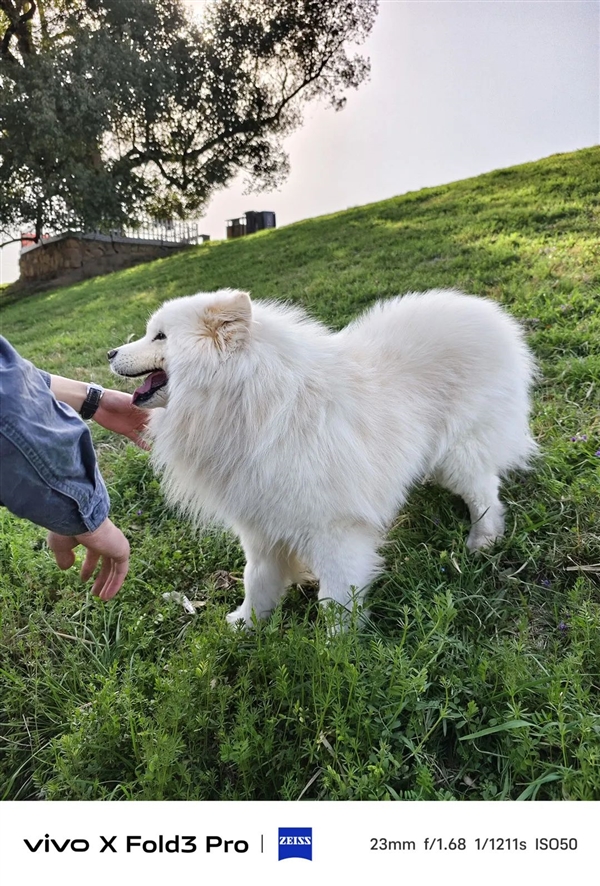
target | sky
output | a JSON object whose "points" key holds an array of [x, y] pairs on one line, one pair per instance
{"points": [[457, 88]]}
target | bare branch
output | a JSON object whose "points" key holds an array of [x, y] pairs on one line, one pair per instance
{"points": [[8, 242]]}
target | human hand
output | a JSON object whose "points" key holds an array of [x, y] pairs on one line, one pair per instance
{"points": [[106, 542], [117, 413]]}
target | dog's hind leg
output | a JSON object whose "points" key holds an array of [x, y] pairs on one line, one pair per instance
{"points": [[346, 562], [266, 576], [477, 487]]}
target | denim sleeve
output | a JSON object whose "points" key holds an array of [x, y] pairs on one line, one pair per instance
{"points": [[48, 470]]}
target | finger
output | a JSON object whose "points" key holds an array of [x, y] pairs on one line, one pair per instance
{"points": [[139, 441], [89, 564], [64, 559], [102, 576], [62, 548], [115, 580], [101, 591]]}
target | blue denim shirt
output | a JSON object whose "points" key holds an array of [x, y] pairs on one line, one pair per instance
{"points": [[48, 470]]}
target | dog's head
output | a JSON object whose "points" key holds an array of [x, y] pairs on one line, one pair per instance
{"points": [[196, 331]]}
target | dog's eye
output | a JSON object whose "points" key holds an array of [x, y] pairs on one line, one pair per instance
{"points": [[159, 336]]}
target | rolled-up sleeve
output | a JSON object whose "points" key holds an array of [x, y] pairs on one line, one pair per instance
{"points": [[48, 470]]}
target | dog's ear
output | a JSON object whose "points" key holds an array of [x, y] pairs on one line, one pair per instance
{"points": [[227, 321]]}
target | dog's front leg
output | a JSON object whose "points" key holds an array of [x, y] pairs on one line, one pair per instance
{"points": [[265, 580], [346, 562]]}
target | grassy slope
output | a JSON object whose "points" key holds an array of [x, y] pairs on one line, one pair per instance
{"points": [[479, 678]]}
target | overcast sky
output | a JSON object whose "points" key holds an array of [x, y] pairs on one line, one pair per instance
{"points": [[457, 88]]}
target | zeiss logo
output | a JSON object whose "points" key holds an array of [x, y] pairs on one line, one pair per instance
{"points": [[295, 843]]}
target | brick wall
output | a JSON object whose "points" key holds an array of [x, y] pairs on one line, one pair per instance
{"points": [[70, 257]]}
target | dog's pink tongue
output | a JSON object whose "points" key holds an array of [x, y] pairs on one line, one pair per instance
{"points": [[154, 380]]}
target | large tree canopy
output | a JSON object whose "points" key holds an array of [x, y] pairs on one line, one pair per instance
{"points": [[114, 110]]}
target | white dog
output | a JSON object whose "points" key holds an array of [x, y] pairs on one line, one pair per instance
{"points": [[306, 442]]}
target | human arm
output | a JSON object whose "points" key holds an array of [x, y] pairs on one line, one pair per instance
{"points": [[48, 470], [115, 412], [49, 475]]}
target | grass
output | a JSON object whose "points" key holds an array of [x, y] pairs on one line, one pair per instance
{"points": [[479, 678]]}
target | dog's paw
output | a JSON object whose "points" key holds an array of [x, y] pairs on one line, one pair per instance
{"points": [[244, 617], [481, 541], [339, 619], [237, 619]]}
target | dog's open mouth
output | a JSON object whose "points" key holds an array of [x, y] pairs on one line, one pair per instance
{"points": [[153, 383]]}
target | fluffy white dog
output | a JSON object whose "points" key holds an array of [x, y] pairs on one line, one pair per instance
{"points": [[306, 442]]}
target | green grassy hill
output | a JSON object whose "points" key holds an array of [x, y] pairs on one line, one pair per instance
{"points": [[479, 678]]}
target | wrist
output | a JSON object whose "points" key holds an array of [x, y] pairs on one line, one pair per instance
{"points": [[93, 396], [84, 398], [98, 532]]}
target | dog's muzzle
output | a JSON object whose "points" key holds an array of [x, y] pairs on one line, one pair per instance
{"points": [[147, 394]]}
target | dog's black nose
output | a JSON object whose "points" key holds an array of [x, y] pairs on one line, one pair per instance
{"points": [[111, 354]]}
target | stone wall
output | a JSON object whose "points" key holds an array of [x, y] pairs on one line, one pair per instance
{"points": [[70, 257]]}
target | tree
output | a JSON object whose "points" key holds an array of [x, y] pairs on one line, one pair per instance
{"points": [[113, 110]]}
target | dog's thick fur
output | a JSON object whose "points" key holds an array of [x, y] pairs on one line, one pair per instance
{"points": [[306, 442]]}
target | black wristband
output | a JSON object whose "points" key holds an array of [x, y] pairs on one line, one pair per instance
{"points": [[91, 402]]}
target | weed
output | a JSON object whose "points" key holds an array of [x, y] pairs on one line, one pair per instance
{"points": [[476, 678]]}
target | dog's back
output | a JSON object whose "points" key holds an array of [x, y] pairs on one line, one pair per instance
{"points": [[459, 361]]}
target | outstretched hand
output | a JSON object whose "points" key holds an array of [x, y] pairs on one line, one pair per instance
{"points": [[116, 412], [106, 543]]}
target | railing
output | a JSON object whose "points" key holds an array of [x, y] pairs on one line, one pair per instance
{"points": [[170, 232], [167, 232]]}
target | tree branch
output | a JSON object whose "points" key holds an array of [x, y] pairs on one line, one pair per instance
{"points": [[18, 27], [8, 242]]}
